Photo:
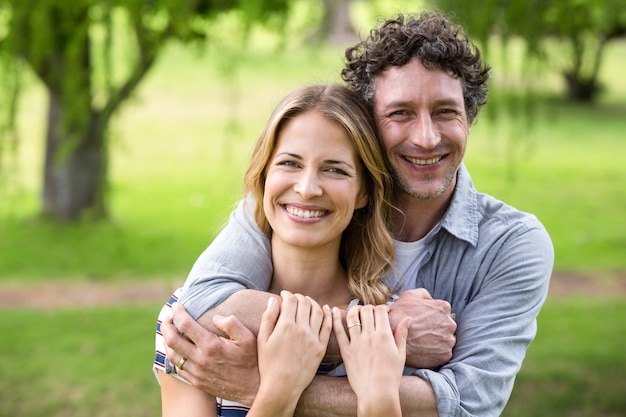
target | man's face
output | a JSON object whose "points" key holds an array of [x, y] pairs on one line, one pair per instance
{"points": [[423, 128]]}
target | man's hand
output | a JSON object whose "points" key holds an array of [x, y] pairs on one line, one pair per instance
{"points": [[431, 333], [223, 367]]}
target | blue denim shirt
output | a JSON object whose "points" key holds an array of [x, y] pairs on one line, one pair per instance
{"points": [[491, 262]]}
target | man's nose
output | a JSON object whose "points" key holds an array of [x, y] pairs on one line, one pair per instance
{"points": [[424, 133]]}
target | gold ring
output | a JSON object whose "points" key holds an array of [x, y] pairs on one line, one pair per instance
{"points": [[354, 325], [181, 363]]}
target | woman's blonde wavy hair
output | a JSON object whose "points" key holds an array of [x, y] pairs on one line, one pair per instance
{"points": [[367, 249]]}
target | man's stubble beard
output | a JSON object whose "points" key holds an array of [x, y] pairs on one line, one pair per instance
{"points": [[404, 187]]}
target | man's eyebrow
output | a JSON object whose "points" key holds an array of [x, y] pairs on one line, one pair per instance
{"points": [[439, 102]]}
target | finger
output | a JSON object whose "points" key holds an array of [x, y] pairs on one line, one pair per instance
{"points": [[401, 335], [303, 311], [340, 332], [327, 324], [353, 321], [288, 307], [420, 293], [175, 344], [234, 329], [316, 318], [269, 318], [381, 318], [190, 328], [366, 316], [445, 306]]}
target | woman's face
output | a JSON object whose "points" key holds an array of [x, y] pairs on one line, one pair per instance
{"points": [[313, 182]]}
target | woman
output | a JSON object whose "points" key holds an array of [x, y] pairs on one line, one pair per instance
{"points": [[319, 177]]}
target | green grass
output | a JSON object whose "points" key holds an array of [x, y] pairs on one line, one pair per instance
{"points": [[576, 365], [75, 363]]}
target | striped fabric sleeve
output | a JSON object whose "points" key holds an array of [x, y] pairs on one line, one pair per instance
{"points": [[161, 363]]}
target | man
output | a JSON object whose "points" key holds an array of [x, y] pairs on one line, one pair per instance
{"points": [[425, 83]]}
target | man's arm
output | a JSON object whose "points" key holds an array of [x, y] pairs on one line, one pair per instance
{"points": [[224, 367], [332, 396], [227, 368], [238, 258], [496, 326]]}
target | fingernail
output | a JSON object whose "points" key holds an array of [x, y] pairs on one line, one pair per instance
{"points": [[270, 302]]}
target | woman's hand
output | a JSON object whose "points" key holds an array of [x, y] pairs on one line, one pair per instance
{"points": [[374, 357], [291, 343]]}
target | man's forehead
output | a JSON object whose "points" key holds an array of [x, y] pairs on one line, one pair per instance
{"points": [[407, 86]]}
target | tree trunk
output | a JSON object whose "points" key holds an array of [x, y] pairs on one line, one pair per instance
{"points": [[335, 26], [75, 168], [341, 30], [581, 89]]}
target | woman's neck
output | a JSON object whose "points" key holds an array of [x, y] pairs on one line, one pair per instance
{"points": [[315, 272]]}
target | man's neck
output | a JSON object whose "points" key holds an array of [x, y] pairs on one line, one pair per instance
{"points": [[416, 217]]}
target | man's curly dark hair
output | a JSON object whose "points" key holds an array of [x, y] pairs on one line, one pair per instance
{"points": [[430, 37]]}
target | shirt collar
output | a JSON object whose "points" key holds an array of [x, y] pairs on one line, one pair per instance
{"points": [[461, 218]]}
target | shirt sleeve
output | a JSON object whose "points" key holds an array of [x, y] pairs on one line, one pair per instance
{"points": [[495, 328], [161, 363], [238, 258]]}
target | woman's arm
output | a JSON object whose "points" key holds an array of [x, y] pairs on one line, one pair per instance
{"points": [[180, 399]]}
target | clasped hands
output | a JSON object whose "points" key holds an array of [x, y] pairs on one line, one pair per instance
{"points": [[228, 367]]}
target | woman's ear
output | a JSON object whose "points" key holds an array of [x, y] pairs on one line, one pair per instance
{"points": [[361, 200]]}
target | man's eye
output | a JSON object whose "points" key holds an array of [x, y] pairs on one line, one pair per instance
{"points": [[448, 112]]}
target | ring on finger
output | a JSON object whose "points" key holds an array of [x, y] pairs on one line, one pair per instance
{"points": [[354, 325], [181, 363]]}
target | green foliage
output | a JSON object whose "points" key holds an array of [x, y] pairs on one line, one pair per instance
{"points": [[74, 48], [582, 27]]}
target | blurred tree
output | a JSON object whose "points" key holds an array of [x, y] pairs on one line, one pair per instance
{"points": [[585, 26], [335, 26], [75, 49]]}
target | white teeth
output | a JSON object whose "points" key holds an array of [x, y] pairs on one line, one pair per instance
{"points": [[423, 161], [306, 214]]}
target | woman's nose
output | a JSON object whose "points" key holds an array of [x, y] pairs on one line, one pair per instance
{"points": [[308, 184]]}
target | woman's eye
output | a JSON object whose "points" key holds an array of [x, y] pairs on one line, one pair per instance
{"points": [[338, 171], [288, 164]]}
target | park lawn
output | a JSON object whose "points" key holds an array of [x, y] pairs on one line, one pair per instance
{"points": [[575, 366], [76, 363], [97, 362]]}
